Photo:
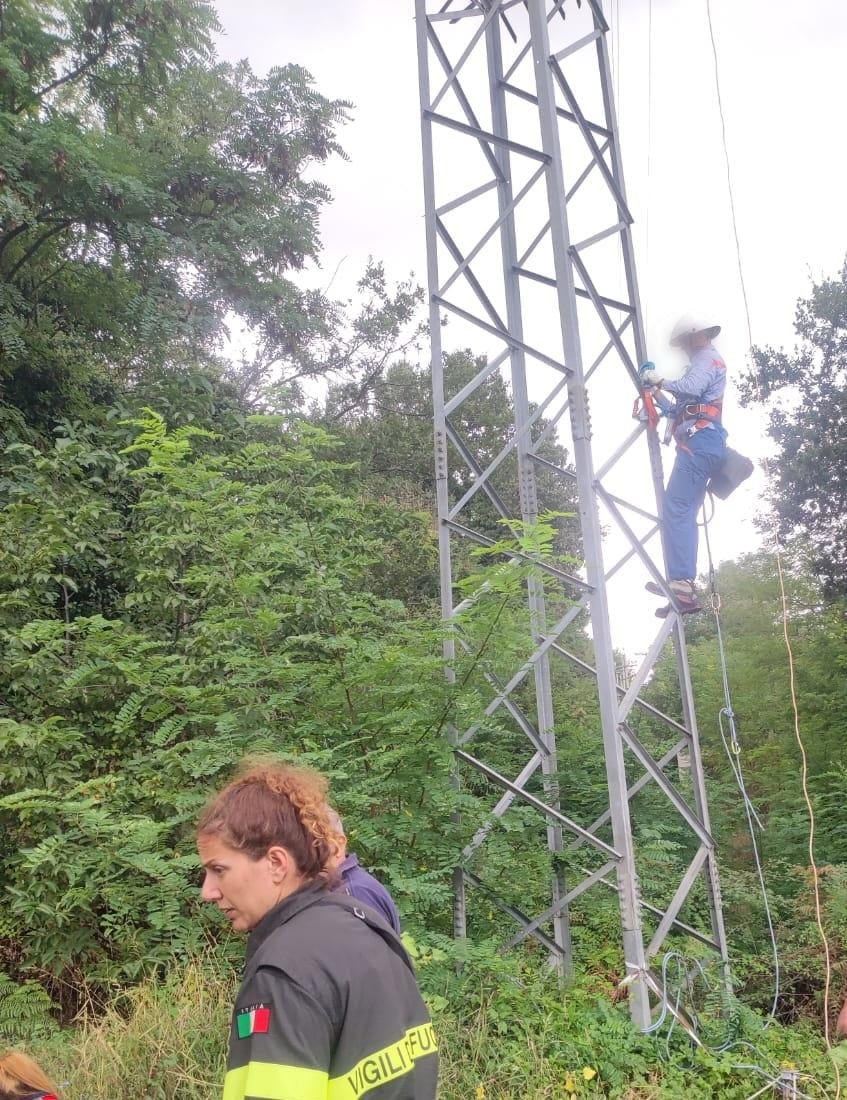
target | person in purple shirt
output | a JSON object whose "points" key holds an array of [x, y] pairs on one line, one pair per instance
{"points": [[361, 884]]}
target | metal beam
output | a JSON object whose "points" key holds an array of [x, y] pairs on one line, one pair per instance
{"points": [[503, 803], [533, 91], [648, 708], [638, 785], [442, 491], [537, 803], [633, 939], [677, 901], [514, 913]]}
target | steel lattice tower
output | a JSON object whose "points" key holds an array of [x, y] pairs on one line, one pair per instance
{"points": [[530, 253]]}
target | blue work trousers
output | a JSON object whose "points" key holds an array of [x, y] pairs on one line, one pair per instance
{"points": [[696, 462]]}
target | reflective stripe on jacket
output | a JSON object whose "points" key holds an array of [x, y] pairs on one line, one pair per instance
{"points": [[329, 1009]]}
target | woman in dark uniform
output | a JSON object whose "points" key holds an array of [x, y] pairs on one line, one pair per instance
{"points": [[22, 1079], [329, 1008]]}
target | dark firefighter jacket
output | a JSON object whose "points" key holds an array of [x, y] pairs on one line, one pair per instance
{"points": [[329, 1009]]}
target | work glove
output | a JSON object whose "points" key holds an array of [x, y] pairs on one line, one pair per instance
{"points": [[649, 375]]}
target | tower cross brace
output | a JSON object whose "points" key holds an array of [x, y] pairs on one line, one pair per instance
{"points": [[530, 254]]}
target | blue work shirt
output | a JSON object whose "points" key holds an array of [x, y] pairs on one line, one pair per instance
{"points": [[704, 381], [360, 884]]}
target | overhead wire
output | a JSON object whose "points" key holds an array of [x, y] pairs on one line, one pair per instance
{"points": [[726, 715], [778, 554], [729, 185], [731, 743], [645, 305], [616, 41], [731, 746]]}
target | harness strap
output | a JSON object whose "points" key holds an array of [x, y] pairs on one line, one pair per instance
{"points": [[697, 411], [702, 416]]}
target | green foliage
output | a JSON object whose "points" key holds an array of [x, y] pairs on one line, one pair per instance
{"points": [[770, 757], [241, 618], [388, 428], [806, 391], [147, 192], [751, 615], [503, 1033], [163, 1040], [25, 1011]]}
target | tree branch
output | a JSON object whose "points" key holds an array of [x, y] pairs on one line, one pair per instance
{"points": [[33, 248], [69, 77], [52, 275], [66, 615], [10, 236]]}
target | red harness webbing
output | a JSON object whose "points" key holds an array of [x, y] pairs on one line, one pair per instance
{"points": [[702, 414]]}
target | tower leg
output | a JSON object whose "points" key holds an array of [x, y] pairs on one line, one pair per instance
{"points": [[521, 150]]}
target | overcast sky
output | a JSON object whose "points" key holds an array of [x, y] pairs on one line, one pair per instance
{"points": [[782, 73]]}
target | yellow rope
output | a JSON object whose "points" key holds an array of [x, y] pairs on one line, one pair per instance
{"points": [[782, 593]]}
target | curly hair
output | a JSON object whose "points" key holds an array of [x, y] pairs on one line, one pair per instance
{"points": [[20, 1076], [270, 803]]}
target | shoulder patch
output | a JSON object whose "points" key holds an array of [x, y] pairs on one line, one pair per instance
{"points": [[253, 1020]]}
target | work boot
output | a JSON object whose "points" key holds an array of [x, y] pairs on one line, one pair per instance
{"points": [[685, 599]]}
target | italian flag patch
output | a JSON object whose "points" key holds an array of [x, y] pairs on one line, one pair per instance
{"points": [[255, 1020]]}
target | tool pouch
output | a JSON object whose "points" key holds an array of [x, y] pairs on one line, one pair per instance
{"points": [[735, 470]]}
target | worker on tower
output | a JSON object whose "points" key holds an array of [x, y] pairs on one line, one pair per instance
{"points": [[328, 1005], [700, 452]]}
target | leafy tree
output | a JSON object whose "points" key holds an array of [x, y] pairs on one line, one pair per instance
{"points": [[806, 391], [351, 353], [389, 431], [770, 759], [172, 602], [147, 192], [244, 621]]}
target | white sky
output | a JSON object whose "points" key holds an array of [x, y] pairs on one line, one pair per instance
{"points": [[782, 74]]}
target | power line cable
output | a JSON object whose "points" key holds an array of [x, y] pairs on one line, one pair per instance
{"points": [[649, 148], [617, 44], [729, 185], [780, 573]]}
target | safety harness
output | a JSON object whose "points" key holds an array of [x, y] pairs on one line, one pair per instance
{"points": [[644, 408], [683, 421], [700, 414]]}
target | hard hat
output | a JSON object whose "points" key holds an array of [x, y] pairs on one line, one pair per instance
{"points": [[689, 326]]}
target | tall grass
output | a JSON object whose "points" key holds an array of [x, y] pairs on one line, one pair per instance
{"points": [[166, 1040], [163, 1040]]}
